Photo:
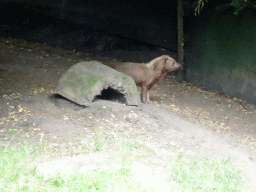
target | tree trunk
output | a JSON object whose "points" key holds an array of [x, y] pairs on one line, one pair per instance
{"points": [[181, 73]]}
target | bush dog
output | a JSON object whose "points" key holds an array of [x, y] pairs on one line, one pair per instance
{"points": [[146, 75]]}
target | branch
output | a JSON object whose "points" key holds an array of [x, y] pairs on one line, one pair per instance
{"points": [[199, 7]]}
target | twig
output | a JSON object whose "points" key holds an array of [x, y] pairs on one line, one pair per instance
{"points": [[10, 142]]}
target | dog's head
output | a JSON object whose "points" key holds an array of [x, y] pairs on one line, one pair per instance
{"points": [[170, 64]]}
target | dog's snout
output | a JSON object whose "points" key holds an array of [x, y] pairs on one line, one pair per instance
{"points": [[179, 66]]}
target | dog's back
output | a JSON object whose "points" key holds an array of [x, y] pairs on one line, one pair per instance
{"points": [[137, 71]]}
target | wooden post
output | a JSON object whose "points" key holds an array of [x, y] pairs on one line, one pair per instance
{"points": [[180, 75]]}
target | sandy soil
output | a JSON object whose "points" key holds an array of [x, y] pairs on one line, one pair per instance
{"points": [[182, 117]]}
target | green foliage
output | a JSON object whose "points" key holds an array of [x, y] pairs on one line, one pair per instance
{"points": [[207, 175], [14, 175], [18, 173], [238, 5]]}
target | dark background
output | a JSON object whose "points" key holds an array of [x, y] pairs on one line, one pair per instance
{"points": [[82, 24]]}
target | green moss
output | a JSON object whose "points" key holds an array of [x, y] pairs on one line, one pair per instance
{"points": [[81, 83]]}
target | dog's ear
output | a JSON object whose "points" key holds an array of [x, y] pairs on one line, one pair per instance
{"points": [[160, 64], [167, 61]]}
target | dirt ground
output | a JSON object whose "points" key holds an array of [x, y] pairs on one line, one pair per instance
{"points": [[182, 117]]}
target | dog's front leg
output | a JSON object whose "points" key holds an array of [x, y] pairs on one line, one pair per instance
{"points": [[144, 94], [148, 96]]}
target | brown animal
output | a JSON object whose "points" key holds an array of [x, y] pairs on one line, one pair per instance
{"points": [[146, 75]]}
